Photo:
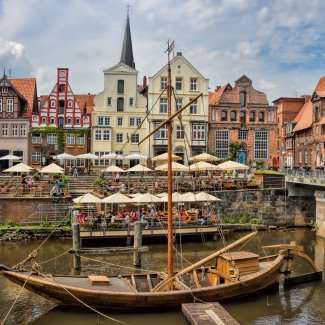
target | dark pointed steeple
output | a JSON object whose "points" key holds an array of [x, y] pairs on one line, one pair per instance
{"points": [[127, 52]]}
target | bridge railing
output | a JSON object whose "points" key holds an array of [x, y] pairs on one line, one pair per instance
{"points": [[300, 172]]}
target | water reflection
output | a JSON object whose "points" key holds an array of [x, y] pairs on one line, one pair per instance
{"points": [[299, 305]]}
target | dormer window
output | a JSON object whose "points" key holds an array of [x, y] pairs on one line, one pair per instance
{"points": [[4, 90], [242, 99]]}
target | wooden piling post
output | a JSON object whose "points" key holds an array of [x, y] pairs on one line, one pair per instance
{"points": [[137, 243], [76, 245]]}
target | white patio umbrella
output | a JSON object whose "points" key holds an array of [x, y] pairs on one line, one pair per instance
{"points": [[64, 156], [136, 156], [52, 169], [202, 197], [113, 169], [176, 197], [87, 198], [204, 157], [232, 165], [87, 156], [112, 156], [161, 194], [10, 157], [164, 157], [135, 195], [203, 166], [117, 198], [139, 168], [146, 198], [19, 168], [176, 167], [188, 197]]}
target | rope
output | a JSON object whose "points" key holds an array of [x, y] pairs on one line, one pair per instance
{"points": [[14, 303]]}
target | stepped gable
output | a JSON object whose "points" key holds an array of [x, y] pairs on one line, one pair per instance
{"points": [[27, 88], [306, 117], [320, 88], [215, 97], [243, 84]]}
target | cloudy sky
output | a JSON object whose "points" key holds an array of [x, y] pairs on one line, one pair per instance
{"points": [[279, 44]]}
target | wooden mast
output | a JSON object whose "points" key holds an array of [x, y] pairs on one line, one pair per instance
{"points": [[170, 252]]}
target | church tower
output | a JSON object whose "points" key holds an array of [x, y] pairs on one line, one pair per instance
{"points": [[127, 52]]}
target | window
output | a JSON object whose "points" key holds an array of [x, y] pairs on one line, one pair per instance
{"points": [[162, 133], [119, 121], [300, 157], [101, 162], [81, 139], [224, 116], [36, 157], [61, 106], [52, 103], [306, 157], [120, 104], [0, 104], [52, 120], [80, 162], [109, 101], [70, 103], [243, 117], [271, 117], [4, 90], [131, 101], [102, 135], [163, 105], [119, 137], [61, 122], [61, 88], [214, 115], [52, 138], [242, 99], [193, 108], [242, 134], [179, 132], [179, 103], [104, 121], [43, 120], [261, 146], [36, 138], [178, 84], [22, 130], [70, 139], [261, 116], [77, 121], [120, 86], [69, 120], [10, 104], [252, 116], [163, 82], [193, 84], [134, 121], [233, 116], [14, 130], [198, 132], [4, 130], [135, 138], [222, 143]]}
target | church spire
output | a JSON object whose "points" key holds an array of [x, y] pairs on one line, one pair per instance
{"points": [[127, 52]]}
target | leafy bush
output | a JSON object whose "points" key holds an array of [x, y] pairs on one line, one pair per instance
{"points": [[36, 176], [255, 221], [259, 164], [9, 223]]}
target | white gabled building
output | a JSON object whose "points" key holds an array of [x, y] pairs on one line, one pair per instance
{"points": [[189, 132], [119, 109]]}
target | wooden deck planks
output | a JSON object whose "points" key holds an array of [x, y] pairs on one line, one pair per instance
{"points": [[207, 314]]}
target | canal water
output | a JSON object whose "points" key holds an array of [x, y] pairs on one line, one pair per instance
{"points": [[302, 304]]}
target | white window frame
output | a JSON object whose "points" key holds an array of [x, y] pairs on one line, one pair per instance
{"points": [[179, 103], [5, 90], [36, 138], [43, 120], [70, 103], [70, 139], [4, 130], [179, 132], [179, 83], [22, 130], [36, 157], [104, 121], [119, 121], [69, 120], [261, 147], [163, 106], [52, 138], [162, 133], [193, 84], [98, 135], [222, 138], [81, 139], [242, 134], [109, 101], [131, 101], [53, 103], [163, 82], [101, 162], [119, 137], [193, 107], [135, 138], [0, 104], [106, 135], [77, 121], [198, 132], [52, 120], [14, 130], [10, 105]]}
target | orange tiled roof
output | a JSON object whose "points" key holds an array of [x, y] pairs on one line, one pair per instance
{"points": [[306, 117], [320, 87], [86, 100], [214, 97], [27, 87]]}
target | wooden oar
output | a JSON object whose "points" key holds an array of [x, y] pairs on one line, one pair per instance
{"points": [[161, 286]]}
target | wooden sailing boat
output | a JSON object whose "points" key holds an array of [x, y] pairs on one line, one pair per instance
{"points": [[221, 276]]}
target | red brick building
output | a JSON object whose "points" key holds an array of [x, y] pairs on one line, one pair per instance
{"points": [[18, 100], [62, 122], [242, 114]]}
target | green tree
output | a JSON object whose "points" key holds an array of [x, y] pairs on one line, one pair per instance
{"points": [[233, 150]]}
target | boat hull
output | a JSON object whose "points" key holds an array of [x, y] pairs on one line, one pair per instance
{"points": [[65, 290]]}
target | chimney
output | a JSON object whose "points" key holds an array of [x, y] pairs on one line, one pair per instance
{"points": [[144, 82], [217, 88], [306, 98]]}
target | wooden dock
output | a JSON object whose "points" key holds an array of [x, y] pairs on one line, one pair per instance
{"points": [[208, 314]]}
